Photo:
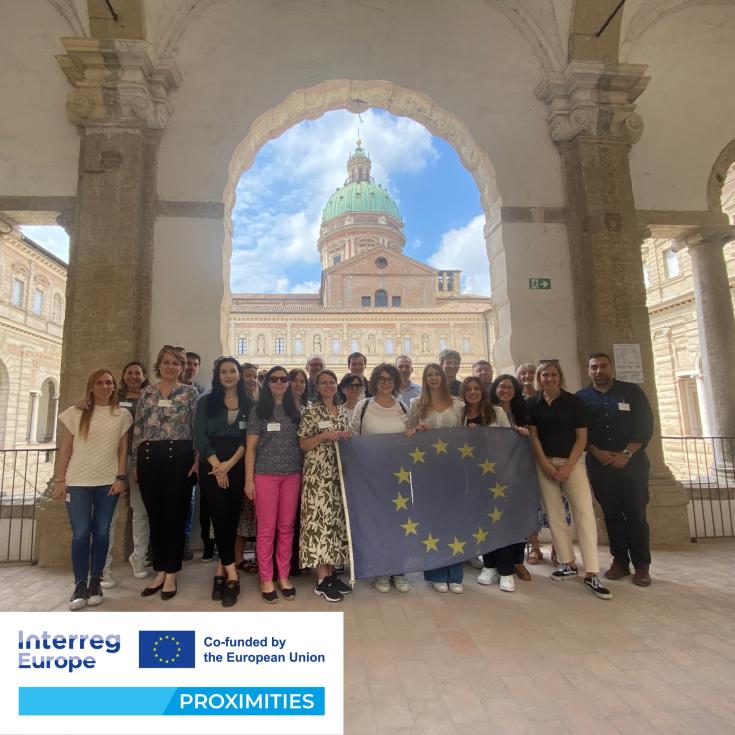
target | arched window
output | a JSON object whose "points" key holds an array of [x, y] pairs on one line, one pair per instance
{"points": [[381, 298]]}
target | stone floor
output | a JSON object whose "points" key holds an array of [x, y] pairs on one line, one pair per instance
{"points": [[549, 659]]}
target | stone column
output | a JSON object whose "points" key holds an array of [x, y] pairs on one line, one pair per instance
{"points": [[33, 426], [119, 104], [716, 325], [54, 418], [592, 119]]}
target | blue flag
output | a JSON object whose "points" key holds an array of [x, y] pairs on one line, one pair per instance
{"points": [[440, 497], [166, 649]]}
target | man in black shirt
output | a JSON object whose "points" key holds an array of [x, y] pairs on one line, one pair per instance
{"points": [[621, 425], [450, 361]]}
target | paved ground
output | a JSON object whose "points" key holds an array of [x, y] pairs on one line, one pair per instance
{"points": [[549, 659]]}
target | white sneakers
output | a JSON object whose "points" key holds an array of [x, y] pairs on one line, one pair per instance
{"points": [[138, 567], [507, 583], [401, 583], [456, 588], [108, 581], [489, 575], [440, 586], [382, 584]]}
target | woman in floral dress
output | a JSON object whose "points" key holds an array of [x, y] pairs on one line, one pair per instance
{"points": [[323, 537]]}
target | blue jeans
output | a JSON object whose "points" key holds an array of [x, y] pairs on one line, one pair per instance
{"points": [[454, 573], [90, 514]]}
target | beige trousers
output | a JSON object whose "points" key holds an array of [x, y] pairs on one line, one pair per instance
{"points": [[577, 489]]}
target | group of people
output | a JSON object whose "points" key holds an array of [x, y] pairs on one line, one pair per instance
{"points": [[263, 453]]}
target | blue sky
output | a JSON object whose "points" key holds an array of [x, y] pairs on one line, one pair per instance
{"points": [[280, 200]]}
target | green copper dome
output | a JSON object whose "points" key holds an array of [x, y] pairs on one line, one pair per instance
{"points": [[360, 196]]}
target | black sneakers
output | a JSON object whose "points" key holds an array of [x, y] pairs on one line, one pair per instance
{"points": [[230, 593], [327, 591], [564, 571], [342, 587], [78, 600], [218, 587], [596, 587], [94, 591]]}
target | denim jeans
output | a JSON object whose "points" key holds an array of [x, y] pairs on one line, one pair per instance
{"points": [[453, 573], [90, 514]]}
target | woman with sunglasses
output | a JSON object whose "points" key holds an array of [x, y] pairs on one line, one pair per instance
{"points": [[382, 413], [323, 539], [559, 435], [273, 479], [163, 452], [349, 393], [220, 438], [436, 408], [500, 565]]}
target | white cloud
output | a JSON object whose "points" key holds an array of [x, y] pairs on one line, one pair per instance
{"points": [[277, 213], [464, 248], [50, 237], [306, 287]]}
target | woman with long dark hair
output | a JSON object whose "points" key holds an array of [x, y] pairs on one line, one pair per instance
{"points": [[220, 437], [299, 381], [90, 472], [273, 479]]}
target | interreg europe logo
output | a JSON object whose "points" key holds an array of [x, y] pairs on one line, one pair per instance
{"points": [[64, 651], [166, 649]]}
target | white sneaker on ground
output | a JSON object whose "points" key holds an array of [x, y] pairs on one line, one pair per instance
{"points": [[456, 588], [401, 583], [440, 586], [382, 584], [107, 581], [138, 567], [489, 575], [507, 583]]}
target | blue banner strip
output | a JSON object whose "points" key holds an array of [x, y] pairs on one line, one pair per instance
{"points": [[209, 701]]}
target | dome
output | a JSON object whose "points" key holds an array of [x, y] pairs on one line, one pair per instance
{"points": [[360, 196]]}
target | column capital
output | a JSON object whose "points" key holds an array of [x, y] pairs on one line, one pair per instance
{"points": [[595, 100], [695, 237], [117, 83]]}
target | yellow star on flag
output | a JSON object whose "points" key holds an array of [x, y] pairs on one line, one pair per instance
{"points": [[457, 546], [409, 527], [403, 476], [400, 502], [499, 490], [480, 536], [466, 450], [487, 466], [440, 446], [430, 542], [495, 515], [417, 455]]}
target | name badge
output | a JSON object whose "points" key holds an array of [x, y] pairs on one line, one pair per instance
{"points": [[623, 406], [242, 425], [325, 424], [165, 403], [275, 426], [125, 404]]}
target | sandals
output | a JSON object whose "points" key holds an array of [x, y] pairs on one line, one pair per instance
{"points": [[535, 556], [250, 567]]}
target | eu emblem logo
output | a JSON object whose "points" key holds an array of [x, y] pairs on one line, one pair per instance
{"points": [[166, 649]]}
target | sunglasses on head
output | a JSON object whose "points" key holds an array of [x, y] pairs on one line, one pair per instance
{"points": [[353, 385], [174, 347], [279, 379], [549, 360]]}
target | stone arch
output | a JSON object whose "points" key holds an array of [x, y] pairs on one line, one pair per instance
{"points": [[718, 176], [4, 401]]}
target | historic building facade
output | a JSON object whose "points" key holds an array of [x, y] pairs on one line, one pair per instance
{"points": [[32, 294], [373, 298]]}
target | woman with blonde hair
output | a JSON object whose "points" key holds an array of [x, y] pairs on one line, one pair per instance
{"points": [[163, 453], [90, 471]]}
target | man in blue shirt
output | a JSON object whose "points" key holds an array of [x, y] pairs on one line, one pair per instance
{"points": [[408, 389], [621, 425]]}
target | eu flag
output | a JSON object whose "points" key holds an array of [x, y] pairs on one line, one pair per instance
{"points": [[440, 497], [166, 649]]}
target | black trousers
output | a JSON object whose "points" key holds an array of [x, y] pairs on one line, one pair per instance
{"points": [[623, 496], [166, 492], [223, 504], [505, 558]]}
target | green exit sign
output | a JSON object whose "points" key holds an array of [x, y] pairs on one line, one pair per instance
{"points": [[539, 284]]}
